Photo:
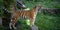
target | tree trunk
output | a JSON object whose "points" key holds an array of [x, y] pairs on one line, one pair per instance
{"points": [[10, 6]]}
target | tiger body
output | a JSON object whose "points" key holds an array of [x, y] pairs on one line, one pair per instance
{"points": [[30, 14]]}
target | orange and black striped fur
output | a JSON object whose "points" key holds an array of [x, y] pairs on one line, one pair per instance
{"points": [[30, 14]]}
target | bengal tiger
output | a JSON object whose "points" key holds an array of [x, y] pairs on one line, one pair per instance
{"points": [[30, 14]]}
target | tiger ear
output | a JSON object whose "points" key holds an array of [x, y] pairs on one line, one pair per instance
{"points": [[34, 7]]}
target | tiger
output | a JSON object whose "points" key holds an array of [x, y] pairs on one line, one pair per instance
{"points": [[30, 14]]}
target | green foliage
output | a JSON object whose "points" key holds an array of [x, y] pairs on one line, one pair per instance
{"points": [[1, 6], [45, 3]]}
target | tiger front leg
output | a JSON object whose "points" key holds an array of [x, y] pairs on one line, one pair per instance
{"points": [[32, 22], [33, 27]]}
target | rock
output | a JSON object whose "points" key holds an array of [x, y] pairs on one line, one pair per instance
{"points": [[34, 27]]}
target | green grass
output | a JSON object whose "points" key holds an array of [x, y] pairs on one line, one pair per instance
{"points": [[44, 22], [47, 22]]}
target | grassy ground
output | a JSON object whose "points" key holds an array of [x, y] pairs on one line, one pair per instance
{"points": [[44, 22], [48, 22]]}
